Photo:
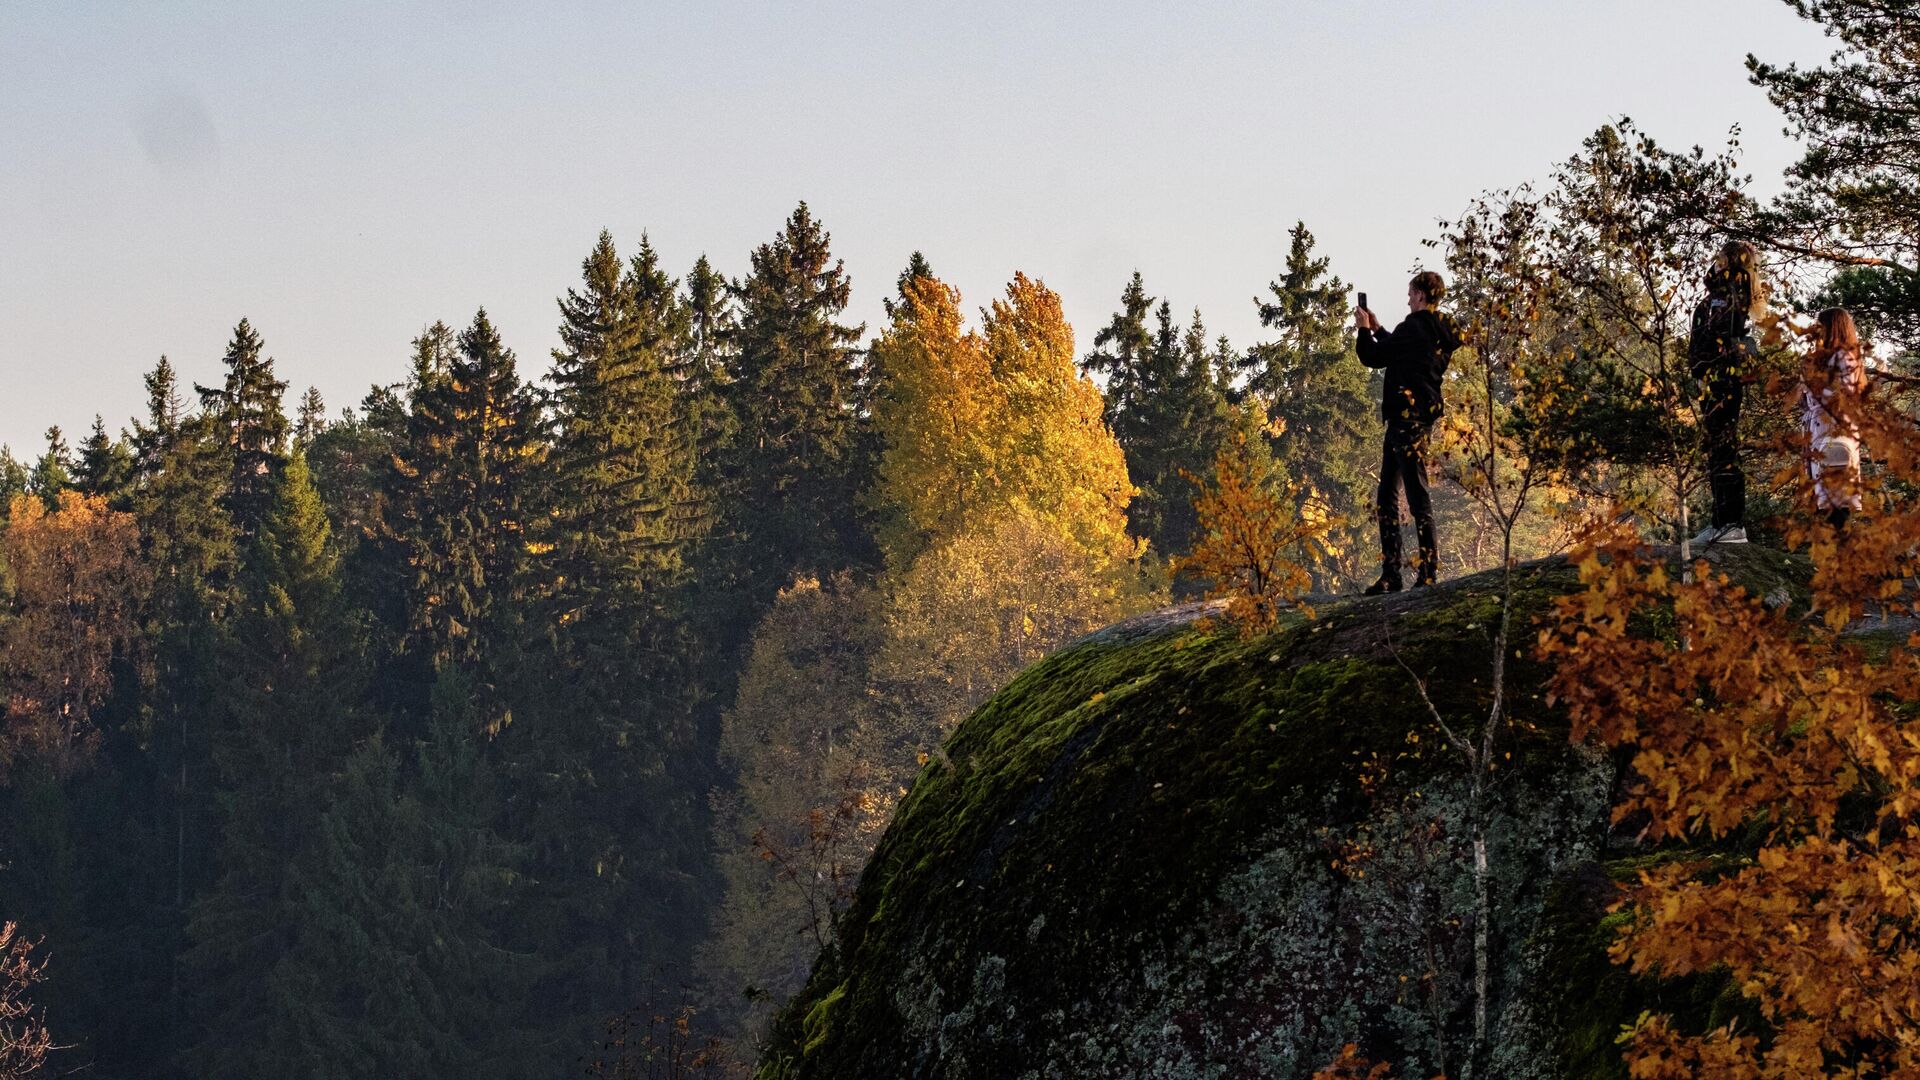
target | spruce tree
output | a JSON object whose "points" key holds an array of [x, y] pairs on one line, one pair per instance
{"points": [[1324, 405], [711, 320], [187, 545], [105, 466], [797, 462], [15, 480], [1121, 351], [311, 420], [1179, 424], [1168, 412], [459, 498], [395, 964], [625, 441], [246, 410], [607, 786], [286, 716], [53, 472]]}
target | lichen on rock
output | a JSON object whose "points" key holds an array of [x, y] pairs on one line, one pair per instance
{"points": [[1170, 852]]}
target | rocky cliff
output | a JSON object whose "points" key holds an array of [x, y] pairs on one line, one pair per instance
{"points": [[1168, 851]]}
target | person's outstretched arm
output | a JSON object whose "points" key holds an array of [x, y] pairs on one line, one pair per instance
{"points": [[1406, 343]]}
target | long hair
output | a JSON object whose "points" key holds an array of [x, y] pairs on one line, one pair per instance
{"points": [[1836, 332], [1737, 268]]}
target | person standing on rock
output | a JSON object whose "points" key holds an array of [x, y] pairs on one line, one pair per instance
{"points": [[1413, 359], [1830, 391], [1720, 355]]}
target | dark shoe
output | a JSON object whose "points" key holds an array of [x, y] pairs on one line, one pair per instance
{"points": [[1386, 584], [1426, 571]]}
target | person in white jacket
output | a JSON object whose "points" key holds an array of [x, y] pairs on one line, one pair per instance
{"points": [[1830, 390]]}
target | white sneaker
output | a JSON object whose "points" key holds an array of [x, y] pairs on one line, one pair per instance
{"points": [[1720, 534]]}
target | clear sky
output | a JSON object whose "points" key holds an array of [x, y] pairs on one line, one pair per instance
{"points": [[345, 173]]}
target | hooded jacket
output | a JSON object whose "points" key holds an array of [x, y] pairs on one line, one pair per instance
{"points": [[1415, 357]]}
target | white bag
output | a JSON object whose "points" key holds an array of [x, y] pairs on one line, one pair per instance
{"points": [[1839, 452]]}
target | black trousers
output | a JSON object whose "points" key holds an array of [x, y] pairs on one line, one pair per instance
{"points": [[1722, 419], [1403, 465]]}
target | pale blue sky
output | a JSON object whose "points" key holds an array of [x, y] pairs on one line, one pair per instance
{"points": [[344, 173]]}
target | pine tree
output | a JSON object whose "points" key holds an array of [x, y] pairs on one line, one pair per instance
{"points": [[246, 411], [1322, 402], [286, 717], [1853, 199], [796, 464]]}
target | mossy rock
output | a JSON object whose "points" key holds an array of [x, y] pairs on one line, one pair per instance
{"points": [[1168, 851]]}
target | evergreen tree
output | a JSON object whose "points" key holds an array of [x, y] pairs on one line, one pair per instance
{"points": [[180, 486], [607, 785], [1323, 404], [286, 717], [187, 546], [53, 473], [310, 421], [625, 441], [105, 466], [1853, 199], [15, 480], [917, 267], [712, 319], [247, 413], [796, 464], [459, 493], [1180, 421], [1121, 351], [394, 963], [458, 500], [1167, 410]]}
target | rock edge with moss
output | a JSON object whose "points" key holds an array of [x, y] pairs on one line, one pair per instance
{"points": [[1167, 851]]}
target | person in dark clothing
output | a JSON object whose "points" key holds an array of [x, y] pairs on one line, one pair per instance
{"points": [[1719, 355], [1413, 359]]}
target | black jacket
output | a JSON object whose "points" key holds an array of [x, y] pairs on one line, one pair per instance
{"points": [[1722, 344], [1415, 356]]}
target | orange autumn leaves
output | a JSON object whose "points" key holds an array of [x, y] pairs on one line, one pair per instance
{"points": [[1248, 531], [1795, 724], [73, 581], [994, 422]]}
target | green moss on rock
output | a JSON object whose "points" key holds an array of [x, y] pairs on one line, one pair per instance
{"points": [[1174, 852]]}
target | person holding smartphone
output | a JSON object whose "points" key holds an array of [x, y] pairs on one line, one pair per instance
{"points": [[1413, 359]]}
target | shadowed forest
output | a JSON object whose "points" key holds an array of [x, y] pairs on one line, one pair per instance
{"points": [[538, 715]]}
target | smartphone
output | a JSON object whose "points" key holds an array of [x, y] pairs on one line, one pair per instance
{"points": [[1363, 301]]}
